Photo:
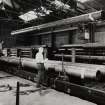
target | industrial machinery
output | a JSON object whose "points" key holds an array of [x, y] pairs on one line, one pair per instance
{"points": [[80, 70], [75, 54], [75, 69], [79, 79]]}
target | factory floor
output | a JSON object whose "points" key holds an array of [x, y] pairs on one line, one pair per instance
{"points": [[30, 95]]}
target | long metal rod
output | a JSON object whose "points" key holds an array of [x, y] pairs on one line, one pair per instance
{"points": [[56, 31], [76, 19], [75, 69]]}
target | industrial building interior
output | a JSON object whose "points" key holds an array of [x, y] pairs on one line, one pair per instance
{"points": [[69, 35]]}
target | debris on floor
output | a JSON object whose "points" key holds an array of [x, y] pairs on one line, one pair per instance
{"points": [[30, 95]]}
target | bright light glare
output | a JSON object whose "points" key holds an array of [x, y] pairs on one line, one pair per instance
{"points": [[60, 4], [45, 10], [28, 16], [31, 15], [0, 1], [82, 0]]}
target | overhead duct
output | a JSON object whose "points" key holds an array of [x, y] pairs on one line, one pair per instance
{"points": [[81, 18]]}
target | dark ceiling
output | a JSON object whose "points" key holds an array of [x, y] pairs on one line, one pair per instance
{"points": [[11, 9], [96, 4]]}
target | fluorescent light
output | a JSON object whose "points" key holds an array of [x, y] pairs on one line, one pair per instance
{"points": [[31, 15], [28, 16], [60, 4], [45, 10], [40, 14], [1, 1], [7, 2], [83, 1]]}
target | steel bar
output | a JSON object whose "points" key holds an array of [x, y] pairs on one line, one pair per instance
{"points": [[82, 56], [87, 45], [75, 69], [81, 18]]}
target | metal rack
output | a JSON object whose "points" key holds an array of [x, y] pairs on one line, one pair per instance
{"points": [[81, 52]]}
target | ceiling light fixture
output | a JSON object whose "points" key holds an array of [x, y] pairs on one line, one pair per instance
{"points": [[82, 1], [28, 16]]}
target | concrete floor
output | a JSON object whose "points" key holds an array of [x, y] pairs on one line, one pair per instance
{"points": [[30, 95]]}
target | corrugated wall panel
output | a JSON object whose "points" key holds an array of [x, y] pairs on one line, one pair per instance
{"points": [[78, 38], [61, 38], [100, 37], [46, 40]]}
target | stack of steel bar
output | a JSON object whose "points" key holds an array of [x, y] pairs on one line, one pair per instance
{"points": [[75, 69], [13, 52], [89, 51], [26, 52]]}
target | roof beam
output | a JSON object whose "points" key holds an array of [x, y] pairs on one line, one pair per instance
{"points": [[76, 19]]}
